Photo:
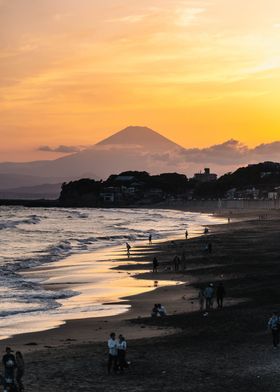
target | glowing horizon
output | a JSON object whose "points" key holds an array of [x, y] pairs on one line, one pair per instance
{"points": [[200, 72]]}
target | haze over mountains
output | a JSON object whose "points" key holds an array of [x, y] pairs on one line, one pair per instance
{"points": [[133, 148]]}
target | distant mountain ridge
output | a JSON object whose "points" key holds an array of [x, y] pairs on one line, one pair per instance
{"points": [[133, 148]]}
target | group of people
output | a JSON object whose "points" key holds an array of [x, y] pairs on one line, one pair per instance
{"points": [[13, 371], [206, 297], [117, 353], [158, 311]]}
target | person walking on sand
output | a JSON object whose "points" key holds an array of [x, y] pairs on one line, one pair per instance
{"points": [[113, 353], [186, 234], [150, 239], [155, 264], [9, 363], [128, 247], [122, 347], [201, 299], [208, 294], [19, 370], [176, 262], [221, 292], [274, 326]]}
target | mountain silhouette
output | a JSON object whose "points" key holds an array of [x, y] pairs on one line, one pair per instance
{"points": [[133, 148]]}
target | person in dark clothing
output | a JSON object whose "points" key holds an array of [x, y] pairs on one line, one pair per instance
{"points": [[274, 326], [186, 234], [221, 292], [122, 346], [9, 363], [19, 370], [155, 264], [150, 238]]}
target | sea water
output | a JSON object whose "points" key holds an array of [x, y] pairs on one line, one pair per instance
{"points": [[32, 237]]}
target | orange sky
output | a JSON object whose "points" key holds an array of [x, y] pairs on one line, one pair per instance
{"points": [[199, 71]]}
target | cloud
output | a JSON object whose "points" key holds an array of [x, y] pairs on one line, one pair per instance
{"points": [[62, 149], [233, 152]]}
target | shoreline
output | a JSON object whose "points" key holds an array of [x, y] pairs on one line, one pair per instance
{"points": [[227, 350], [136, 265]]}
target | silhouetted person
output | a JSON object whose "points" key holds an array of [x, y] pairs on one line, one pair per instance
{"points": [[221, 292], [19, 370], [206, 230], [113, 353], [176, 262], [209, 294], [150, 238], [122, 346], [201, 299], [154, 312], [186, 234], [155, 264], [9, 363], [274, 326], [128, 247]]}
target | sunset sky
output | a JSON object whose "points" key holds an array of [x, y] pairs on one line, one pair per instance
{"points": [[75, 71]]}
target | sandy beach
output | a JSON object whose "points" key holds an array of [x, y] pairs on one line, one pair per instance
{"points": [[228, 349]]}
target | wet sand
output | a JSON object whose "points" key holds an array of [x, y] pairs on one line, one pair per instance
{"points": [[227, 350]]}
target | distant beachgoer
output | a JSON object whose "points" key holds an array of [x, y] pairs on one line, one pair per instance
{"points": [[206, 230], [176, 263], [201, 299], [228, 219], [155, 264], [208, 294], [20, 370], [221, 292], [154, 312], [113, 353], [161, 310], [150, 238], [186, 234], [122, 347], [183, 260], [128, 247], [274, 326], [9, 363]]}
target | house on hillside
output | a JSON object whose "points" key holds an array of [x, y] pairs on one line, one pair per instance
{"points": [[207, 176]]}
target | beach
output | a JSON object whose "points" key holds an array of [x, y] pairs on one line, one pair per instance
{"points": [[228, 349]]}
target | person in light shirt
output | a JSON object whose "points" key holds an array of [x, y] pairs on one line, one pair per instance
{"points": [[113, 353]]}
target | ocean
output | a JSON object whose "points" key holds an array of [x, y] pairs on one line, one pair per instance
{"points": [[35, 237]]}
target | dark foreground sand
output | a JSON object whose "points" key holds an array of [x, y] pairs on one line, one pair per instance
{"points": [[229, 350]]}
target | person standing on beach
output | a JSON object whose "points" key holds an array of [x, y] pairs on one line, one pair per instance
{"points": [[19, 371], [221, 292], [186, 234], [208, 294], [274, 326], [150, 239], [128, 247], [155, 264], [113, 353], [9, 363], [201, 299], [122, 347]]}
